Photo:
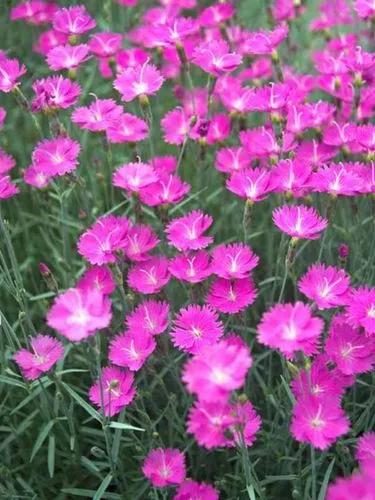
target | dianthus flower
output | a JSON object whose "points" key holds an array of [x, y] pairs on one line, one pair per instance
{"points": [[327, 286], [314, 153], [67, 56], [186, 233], [99, 278], [233, 261], [193, 267], [340, 134], [35, 177], [73, 20], [150, 316], [98, 116], [231, 296], [49, 40], [360, 311], [57, 156], [230, 160], [27, 10], [214, 57], [355, 486], [127, 128], [318, 422], [133, 177], [7, 162], [78, 313], [270, 98], [217, 370], [44, 352], [149, 276], [105, 44], [196, 327], [365, 453], [7, 188], [216, 14], [247, 424], [113, 390], [105, 238], [260, 142], [10, 72], [290, 328], [54, 92], [169, 189], [176, 126], [365, 9], [191, 490], [293, 177], [141, 239], [131, 349], [164, 467], [299, 221], [253, 184], [265, 42], [138, 81]]}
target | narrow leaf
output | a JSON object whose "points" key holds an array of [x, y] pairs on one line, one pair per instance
{"points": [[51, 455], [327, 475], [101, 490], [41, 438], [90, 410]]}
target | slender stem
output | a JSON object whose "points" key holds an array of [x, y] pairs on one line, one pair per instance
{"points": [[313, 475]]}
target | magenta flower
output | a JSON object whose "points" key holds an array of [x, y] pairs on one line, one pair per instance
{"points": [[150, 316], [190, 489], [270, 99], [113, 390], [314, 153], [78, 313], [169, 189], [231, 296], [149, 276], [193, 267], [7, 188], [98, 277], [27, 10], [54, 92], [57, 156], [133, 177], [73, 20], [164, 467], [265, 42], [247, 424], [7, 162], [217, 370], [131, 349], [348, 348], [360, 311], [318, 423], [327, 286], [35, 177], [138, 81], [365, 453], [105, 238], [358, 485], [127, 128], [337, 179], [48, 40], [337, 134], [186, 233], [290, 328], [253, 184], [260, 142], [196, 327], [10, 71], [365, 9], [176, 126], [233, 261], [45, 352], [141, 239], [216, 14], [105, 44], [230, 160], [67, 56], [293, 177], [214, 57], [98, 116], [299, 221]]}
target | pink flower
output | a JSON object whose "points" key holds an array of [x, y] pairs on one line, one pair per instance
{"points": [[169, 189], [133, 177], [141, 239], [196, 327], [214, 57], [364, 8], [193, 267], [35, 177], [247, 424], [27, 10], [186, 233], [319, 423], [292, 176], [106, 237], [365, 453], [217, 370], [131, 349], [127, 128], [314, 153], [216, 14], [290, 328], [98, 116], [105, 44], [260, 142], [149, 276], [231, 296], [73, 20], [45, 352], [113, 390], [235, 260], [98, 277], [337, 134], [138, 81], [360, 311], [337, 179], [265, 42], [253, 184], [57, 156], [356, 486], [271, 98], [48, 40], [54, 92], [7, 188], [151, 316], [229, 160], [176, 126], [78, 313], [164, 467], [299, 221], [327, 286], [67, 56], [190, 490], [7, 162], [10, 71]]}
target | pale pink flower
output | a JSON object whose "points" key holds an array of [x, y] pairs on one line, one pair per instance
{"points": [[196, 327], [164, 467], [113, 390], [127, 128], [131, 349], [98, 116], [253, 184], [57, 156], [149, 276], [193, 267], [299, 221], [231, 296], [133, 177], [365, 453], [191, 490], [150, 316], [67, 56], [186, 233], [233, 261], [78, 313], [10, 72], [54, 92], [44, 352], [138, 81], [73, 20], [99, 278], [290, 328], [360, 311], [214, 57]]}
